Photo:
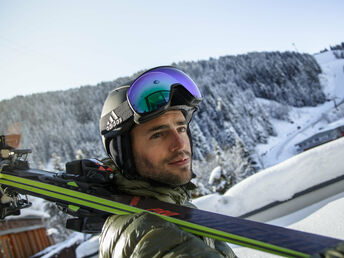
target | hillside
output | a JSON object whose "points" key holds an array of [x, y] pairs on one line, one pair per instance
{"points": [[230, 120]]}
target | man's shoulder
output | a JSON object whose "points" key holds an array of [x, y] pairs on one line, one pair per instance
{"points": [[146, 235]]}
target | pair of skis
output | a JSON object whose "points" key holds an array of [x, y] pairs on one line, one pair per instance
{"points": [[85, 203], [91, 202]]}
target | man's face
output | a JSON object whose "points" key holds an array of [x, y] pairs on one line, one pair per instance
{"points": [[161, 149]]}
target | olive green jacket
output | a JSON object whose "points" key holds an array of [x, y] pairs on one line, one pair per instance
{"points": [[146, 235]]}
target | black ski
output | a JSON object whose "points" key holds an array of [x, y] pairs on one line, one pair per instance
{"points": [[89, 203]]}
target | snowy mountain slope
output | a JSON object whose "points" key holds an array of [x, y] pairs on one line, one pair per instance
{"points": [[307, 121]]}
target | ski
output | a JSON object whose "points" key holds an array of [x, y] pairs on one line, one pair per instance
{"points": [[91, 199], [87, 203]]}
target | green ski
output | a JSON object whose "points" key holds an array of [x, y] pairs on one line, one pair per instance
{"points": [[91, 204]]}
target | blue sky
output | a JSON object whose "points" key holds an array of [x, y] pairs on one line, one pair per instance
{"points": [[52, 45]]}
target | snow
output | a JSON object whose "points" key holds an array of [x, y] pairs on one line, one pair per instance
{"points": [[29, 213], [87, 248], [35, 210], [52, 231], [280, 182], [301, 214], [324, 218], [325, 57], [214, 175], [322, 221], [306, 121], [74, 239]]}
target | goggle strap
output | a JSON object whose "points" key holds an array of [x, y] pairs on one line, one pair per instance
{"points": [[116, 117], [124, 111]]}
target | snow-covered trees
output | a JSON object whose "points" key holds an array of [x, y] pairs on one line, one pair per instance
{"points": [[224, 168], [57, 222], [56, 162], [62, 122]]}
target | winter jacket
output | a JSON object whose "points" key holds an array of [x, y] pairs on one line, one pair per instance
{"points": [[146, 235]]}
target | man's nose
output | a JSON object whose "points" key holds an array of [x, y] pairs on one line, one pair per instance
{"points": [[177, 141]]}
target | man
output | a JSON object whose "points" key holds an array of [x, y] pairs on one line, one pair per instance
{"points": [[145, 131]]}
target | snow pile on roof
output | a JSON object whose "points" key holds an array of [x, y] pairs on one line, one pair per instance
{"points": [[88, 248], [279, 182], [327, 221], [75, 238]]}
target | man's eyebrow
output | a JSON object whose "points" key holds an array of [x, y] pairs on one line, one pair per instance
{"points": [[183, 122], [165, 126], [157, 128]]}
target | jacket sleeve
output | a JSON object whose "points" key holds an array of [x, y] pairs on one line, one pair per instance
{"points": [[146, 235]]}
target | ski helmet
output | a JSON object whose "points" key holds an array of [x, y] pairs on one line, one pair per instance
{"points": [[151, 94]]}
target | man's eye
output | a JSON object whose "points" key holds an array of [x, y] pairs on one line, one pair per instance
{"points": [[182, 129], [156, 135]]}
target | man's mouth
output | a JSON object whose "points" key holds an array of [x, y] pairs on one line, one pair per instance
{"points": [[180, 162]]}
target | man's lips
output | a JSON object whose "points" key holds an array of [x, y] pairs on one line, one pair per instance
{"points": [[180, 161]]}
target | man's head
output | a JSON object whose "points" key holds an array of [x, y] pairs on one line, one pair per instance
{"points": [[161, 149], [144, 126]]}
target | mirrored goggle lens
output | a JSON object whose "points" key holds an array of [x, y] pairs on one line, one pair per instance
{"points": [[152, 89]]}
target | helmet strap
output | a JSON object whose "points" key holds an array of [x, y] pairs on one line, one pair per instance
{"points": [[128, 166]]}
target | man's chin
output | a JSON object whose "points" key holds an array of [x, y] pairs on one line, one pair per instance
{"points": [[170, 175], [181, 178]]}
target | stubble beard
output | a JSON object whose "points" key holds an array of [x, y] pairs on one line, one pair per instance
{"points": [[162, 174]]}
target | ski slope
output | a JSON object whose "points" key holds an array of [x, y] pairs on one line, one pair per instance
{"points": [[307, 121]]}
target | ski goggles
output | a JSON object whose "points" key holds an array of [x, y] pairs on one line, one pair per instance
{"points": [[151, 93]]}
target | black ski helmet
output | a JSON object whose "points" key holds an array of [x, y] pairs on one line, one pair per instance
{"points": [[118, 118]]}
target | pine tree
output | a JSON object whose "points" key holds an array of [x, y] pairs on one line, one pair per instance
{"points": [[223, 181], [241, 161]]}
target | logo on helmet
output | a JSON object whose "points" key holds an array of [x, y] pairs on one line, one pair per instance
{"points": [[113, 121]]}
